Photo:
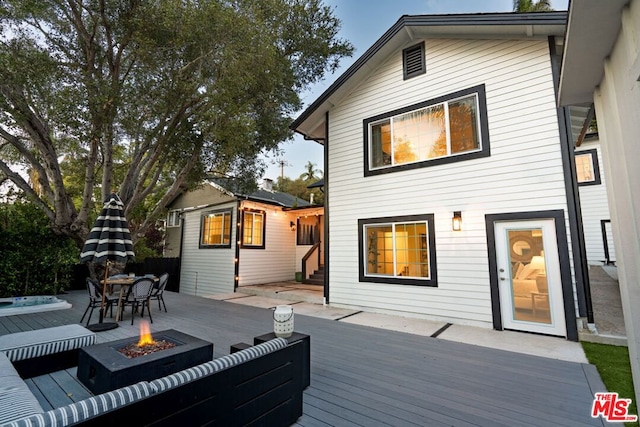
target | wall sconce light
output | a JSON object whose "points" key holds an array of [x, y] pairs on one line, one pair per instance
{"points": [[292, 225], [456, 221]]}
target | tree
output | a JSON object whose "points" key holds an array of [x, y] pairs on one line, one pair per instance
{"points": [[522, 6], [310, 172], [148, 97]]}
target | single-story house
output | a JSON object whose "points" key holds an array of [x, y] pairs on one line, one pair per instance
{"points": [[226, 239]]}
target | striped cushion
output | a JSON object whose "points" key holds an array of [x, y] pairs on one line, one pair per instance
{"points": [[224, 362], [88, 408], [41, 342], [16, 400]]}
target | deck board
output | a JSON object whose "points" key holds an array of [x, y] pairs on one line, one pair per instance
{"points": [[368, 376]]}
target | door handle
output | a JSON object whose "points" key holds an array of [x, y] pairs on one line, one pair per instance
{"points": [[502, 278]]}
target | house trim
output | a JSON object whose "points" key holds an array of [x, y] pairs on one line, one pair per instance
{"points": [[578, 245], [484, 150], [236, 267], [327, 264], [216, 246], [563, 255], [431, 238], [264, 228]]}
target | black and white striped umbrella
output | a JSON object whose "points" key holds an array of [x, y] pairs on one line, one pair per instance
{"points": [[110, 238]]}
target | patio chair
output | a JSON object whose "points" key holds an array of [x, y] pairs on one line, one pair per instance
{"points": [[95, 300], [139, 295], [157, 293]]}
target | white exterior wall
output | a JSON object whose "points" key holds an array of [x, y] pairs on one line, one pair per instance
{"points": [[277, 261], [206, 272], [523, 173], [595, 208], [617, 102]]}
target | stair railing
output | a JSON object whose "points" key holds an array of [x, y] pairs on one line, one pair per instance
{"points": [[310, 263]]}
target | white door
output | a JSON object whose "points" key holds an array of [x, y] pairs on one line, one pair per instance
{"points": [[529, 281]]}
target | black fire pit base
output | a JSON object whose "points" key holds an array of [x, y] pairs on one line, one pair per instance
{"points": [[103, 368]]}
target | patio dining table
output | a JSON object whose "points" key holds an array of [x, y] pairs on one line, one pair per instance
{"points": [[124, 282]]}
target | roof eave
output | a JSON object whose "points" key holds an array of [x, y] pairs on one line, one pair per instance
{"points": [[592, 29]]}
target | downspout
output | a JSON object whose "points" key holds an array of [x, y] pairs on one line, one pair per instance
{"points": [[236, 260], [585, 306], [327, 264]]}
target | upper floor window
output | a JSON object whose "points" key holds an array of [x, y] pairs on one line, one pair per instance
{"points": [[173, 219], [399, 250], [587, 168], [253, 228], [215, 230], [441, 130]]}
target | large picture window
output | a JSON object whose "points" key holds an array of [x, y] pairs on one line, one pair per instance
{"points": [[442, 130], [587, 168], [399, 250], [215, 230], [253, 228]]}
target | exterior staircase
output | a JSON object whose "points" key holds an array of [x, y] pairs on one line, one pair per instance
{"points": [[317, 278]]}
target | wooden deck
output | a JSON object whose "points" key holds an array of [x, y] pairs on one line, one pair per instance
{"points": [[362, 376]]}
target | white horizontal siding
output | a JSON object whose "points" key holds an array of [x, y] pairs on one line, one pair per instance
{"points": [[205, 272], [595, 207], [277, 261], [523, 173]]}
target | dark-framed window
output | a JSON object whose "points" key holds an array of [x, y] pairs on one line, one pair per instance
{"points": [[413, 61], [215, 229], [587, 167], [446, 129], [399, 250], [253, 229], [307, 231]]}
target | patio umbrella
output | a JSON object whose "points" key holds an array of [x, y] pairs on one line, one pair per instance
{"points": [[109, 241]]}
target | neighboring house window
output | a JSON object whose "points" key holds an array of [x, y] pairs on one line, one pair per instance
{"points": [[587, 168], [413, 61], [398, 250], [253, 228], [173, 219], [216, 229], [446, 129], [307, 232]]}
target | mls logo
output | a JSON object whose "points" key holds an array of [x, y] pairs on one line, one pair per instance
{"points": [[611, 408]]}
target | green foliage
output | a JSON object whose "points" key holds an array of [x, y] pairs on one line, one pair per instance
{"points": [[522, 6], [298, 187], [34, 260], [147, 98], [614, 368]]}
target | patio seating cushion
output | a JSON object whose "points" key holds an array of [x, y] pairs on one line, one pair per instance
{"points": [[85, 409], [216, 365], [42, 342], [16, 400]]}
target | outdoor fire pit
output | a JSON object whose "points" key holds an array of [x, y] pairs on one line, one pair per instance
{"points": [[108, 366]]}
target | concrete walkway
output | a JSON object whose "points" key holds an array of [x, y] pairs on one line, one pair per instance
{"points": [[307, 301]]}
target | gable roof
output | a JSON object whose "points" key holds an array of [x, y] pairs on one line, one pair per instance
{"points": [[261, 195], [411, 28]]}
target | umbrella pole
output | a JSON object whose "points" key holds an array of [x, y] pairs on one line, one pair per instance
{"points": [[104, 289]]}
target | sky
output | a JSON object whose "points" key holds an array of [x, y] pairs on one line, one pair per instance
{"points": [[363, 22]]}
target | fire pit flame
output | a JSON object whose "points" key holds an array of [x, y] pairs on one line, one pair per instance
{"points": [[145, 334]]}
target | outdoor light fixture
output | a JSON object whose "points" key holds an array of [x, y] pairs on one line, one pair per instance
{"points": [[292, 225], [456, 221]]}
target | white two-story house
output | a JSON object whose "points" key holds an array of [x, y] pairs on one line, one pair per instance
{"points": [[450, 177]]}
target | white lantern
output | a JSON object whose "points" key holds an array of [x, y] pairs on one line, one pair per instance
{"points": [[283, 321]]}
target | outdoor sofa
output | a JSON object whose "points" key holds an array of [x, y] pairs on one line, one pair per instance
{"points": [[260, 385]]}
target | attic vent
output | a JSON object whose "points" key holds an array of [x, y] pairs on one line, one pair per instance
{"points": [[413, 61]]}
